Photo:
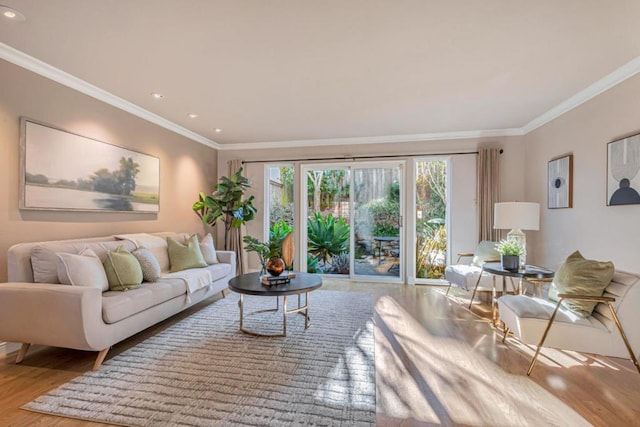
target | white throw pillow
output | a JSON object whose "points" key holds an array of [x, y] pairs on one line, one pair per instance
{"points": [[151, 271], [208, 250], [83, 269]]}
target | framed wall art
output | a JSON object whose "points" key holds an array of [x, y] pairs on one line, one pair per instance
{"points": [[64, 171], [560, 183], [623, 165]]}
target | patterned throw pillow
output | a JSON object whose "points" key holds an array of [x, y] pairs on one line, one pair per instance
{"points": [[123, 270], [148, 263], [183, 257], [580, 276], [208, 250], [83, 269]]}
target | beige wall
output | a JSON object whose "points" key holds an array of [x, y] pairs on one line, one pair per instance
{"points": [[186, 167], [512, 182], [599, 232]]}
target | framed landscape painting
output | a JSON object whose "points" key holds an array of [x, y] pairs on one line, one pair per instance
{"points": [[623, 165], [560, 183], [64, 171]]}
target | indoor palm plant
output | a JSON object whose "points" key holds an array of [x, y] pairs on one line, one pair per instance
{"points": [[510, 251]]}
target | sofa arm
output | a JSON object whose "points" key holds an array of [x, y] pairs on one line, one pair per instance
{"points": [[228, 257], [48, 314]]}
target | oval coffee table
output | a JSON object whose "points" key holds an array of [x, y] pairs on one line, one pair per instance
{"points": [[251, 284]]}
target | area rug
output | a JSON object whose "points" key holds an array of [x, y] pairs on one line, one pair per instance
{"points": [[203, 372]]}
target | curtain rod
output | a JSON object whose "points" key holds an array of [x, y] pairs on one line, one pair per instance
{"points": [[388, 156]]}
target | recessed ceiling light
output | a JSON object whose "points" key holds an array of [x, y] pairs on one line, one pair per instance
{"points": [[157, 95], [218, 130], [12, 14], [192, 115]]}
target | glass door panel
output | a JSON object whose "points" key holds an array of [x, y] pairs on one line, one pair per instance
{"points": [[377, 220], [431, 218], [328, 227]]}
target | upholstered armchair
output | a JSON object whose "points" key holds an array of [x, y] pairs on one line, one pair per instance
{"points": [[467, 275], [553, 324]]}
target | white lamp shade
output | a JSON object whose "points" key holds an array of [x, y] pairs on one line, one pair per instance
{"points": [[512, 215]]}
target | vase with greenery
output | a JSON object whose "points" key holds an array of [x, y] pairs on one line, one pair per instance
{"points": [[510, 251], [227, 204]]}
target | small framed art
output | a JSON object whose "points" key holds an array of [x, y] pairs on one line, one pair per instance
{"points": [[623, 165], [560, 183]]}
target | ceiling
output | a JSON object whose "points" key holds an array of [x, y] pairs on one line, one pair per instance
{"points": [[305, 70]]}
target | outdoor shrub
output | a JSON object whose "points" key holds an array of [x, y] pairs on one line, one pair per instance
{"points": [[327, 236], [340, 263]]}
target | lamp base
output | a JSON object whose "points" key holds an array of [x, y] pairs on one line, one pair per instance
{"points": [[519, 236]]}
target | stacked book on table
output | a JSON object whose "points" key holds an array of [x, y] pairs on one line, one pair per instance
{"points": [[277, 280]]}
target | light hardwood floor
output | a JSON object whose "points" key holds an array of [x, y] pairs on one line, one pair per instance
{"points": [[436, 364]]}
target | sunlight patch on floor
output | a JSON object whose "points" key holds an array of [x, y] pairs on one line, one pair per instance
{"points": [[444, 380]]}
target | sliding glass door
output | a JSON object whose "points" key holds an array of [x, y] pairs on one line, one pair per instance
{"points": [[353, 220], [377, 220]]}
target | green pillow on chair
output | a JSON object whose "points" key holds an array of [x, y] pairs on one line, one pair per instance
{"points": [[183, 257], [580, 276], [123, 270]]}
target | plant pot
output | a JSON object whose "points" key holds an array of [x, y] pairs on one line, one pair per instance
{"points": [[510, 262], [275, 266]]}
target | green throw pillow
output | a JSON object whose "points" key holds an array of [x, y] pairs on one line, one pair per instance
{"points": [[182, 257], [123, 270], [580, 276]]}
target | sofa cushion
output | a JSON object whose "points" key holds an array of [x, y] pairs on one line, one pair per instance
{"points": [[218, 271], [151, 270], [580, 276], [208, 249], [83, 269], [156, 244], [123, 270], [185, 256], [120, 305], [44, 260], [485, 252]]}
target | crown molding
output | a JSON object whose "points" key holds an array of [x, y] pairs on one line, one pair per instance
{"points": [[30, 63], [623, 73], [372, 139]]}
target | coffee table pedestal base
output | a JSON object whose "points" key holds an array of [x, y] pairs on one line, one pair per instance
{"points": [[303, 310]]}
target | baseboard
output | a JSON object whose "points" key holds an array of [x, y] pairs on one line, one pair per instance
{"points": [[8, 348]]}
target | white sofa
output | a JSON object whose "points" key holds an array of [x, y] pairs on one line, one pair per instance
{"points": [[85, 318]]}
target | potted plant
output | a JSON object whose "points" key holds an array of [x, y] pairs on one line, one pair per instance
{"points": [[227, 204], [510, 251], [269, 252]]}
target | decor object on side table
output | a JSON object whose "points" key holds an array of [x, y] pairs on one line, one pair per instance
{"points": [[517, 216], [623, 165], [560, 183], [510, 252]]}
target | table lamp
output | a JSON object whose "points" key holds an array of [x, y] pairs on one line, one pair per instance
{"points": [[517, 216]]}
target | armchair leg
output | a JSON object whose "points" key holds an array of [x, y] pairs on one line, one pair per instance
{"points": [[544, 337], [475, 288], [506, 333], [448, 289], [22, 353], [624, 336], [100, 359]]}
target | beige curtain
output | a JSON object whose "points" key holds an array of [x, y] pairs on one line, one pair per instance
{"points": [[235, 234], [488, 191]]}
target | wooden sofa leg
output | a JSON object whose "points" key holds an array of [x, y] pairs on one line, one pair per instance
{"points": [[100, 359], [624, 336], [22, 353], [544, 337]]}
